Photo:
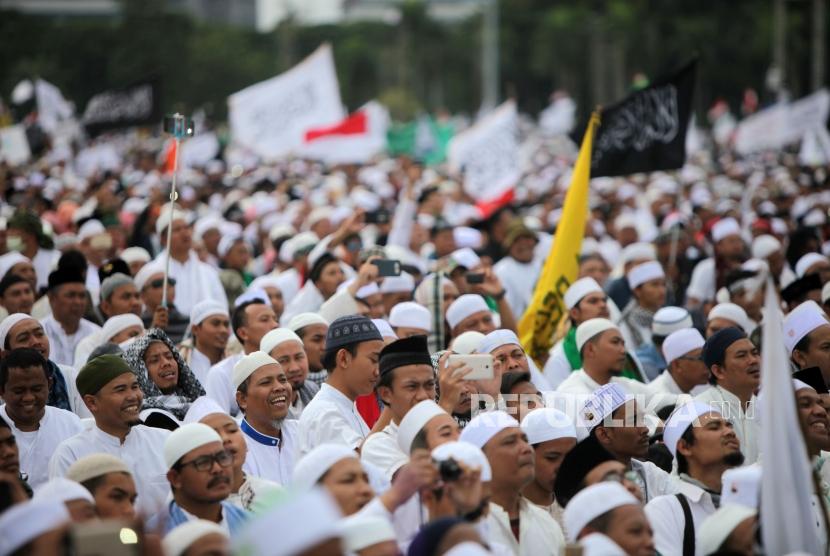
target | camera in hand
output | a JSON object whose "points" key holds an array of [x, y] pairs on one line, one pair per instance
{"points": [[474, 277], [178, 126], [380, 216], [449, 470]]}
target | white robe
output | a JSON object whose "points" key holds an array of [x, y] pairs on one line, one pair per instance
{"points": [[269, 457], [702, 283], [668, 522], [580, 384], [195, 281], [539, 534], [331, 417], [381, 449], [36, 447], [663, 391], [62, 345], [746, 422], [557, 367], [219, 386], [200, 365], [519, 281], [308, 300], [44, 262], [85, 347]]}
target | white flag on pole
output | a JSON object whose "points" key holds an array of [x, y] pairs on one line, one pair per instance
{"points": [[271, 117], [782, 124], [487, 154], [14, 147], [787, 520], [353, 140], [52, 108]]}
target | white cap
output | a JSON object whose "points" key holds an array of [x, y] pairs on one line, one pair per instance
{"points": [[466, 305], [592, 502], [63, 489], [597, 544], [186, 438], [742, 485], [638, 252], [466, 237], [468, 454], [201, 408], [299, 242], [134, 255], [207, 308], [146, 271], [227, 242], [22, 523], [602, 403], [725, 227], [119, 323], [731, 312], [580, 289], [8, 323], [364, 292], [10, 259], [319, 214], [680, 420], [717, 527], [177, 541], [317, 462], [467, 342], [397, 284], [468, 548], [281, 230], [362, 531], [644, 272], [591, 328], [545, 423], [91, 228], [670, 319], [276, 337], [246, 366], [808, 260], [252, 294], [485, 426], [411, 315], [677, 344], [165, 218], [801, 321], [206, 223], [416, 419], [765, 245], [465, 257], [305, 319], [384, 328], [95, 465], [496, 339]]}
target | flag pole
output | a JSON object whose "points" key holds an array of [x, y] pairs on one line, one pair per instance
{"points": [[174, 195]]}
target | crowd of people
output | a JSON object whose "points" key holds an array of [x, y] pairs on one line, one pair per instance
{"points": [[279, 363]]}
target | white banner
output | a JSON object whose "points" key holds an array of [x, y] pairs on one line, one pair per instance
{"points": [[198, 150], [487, 154], [782, 124], [52, 108], [355, 140], [14, 147], [271, 117]]}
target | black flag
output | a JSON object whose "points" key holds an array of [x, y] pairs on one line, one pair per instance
{"points": [[136, 104], [646, 132]]}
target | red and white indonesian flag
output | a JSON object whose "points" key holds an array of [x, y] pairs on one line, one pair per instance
{"points": [[356, 139], [271, 118]]}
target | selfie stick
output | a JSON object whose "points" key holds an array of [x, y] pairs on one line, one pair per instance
{"points": [[179, 130]]}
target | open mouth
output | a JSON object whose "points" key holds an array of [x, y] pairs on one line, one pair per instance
{"points": [[818, 425], [278, 401], [168, 375], [132, 408]]}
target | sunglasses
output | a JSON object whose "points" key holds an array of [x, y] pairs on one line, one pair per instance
{"points": [[156, 284], [205, 463]]}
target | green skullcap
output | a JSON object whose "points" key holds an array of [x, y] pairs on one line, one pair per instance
{"points": [[99, 371]]}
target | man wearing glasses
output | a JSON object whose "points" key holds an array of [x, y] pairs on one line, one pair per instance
{"points": [[200, 477], [150, 284], [685, 373]]}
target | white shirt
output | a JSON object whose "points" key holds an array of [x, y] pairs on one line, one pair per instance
{"points": [[519, 281], [255, 494], [62, 345], [219, 387], [331, 417], [142, 451], [36, 447], [746, 423], [381, 449], [200, 365], [85, 347], [269, 457], [702, 283], [308, 300], [198, 281], [668, 391], [653, 481], [539, 534], [580, 384], [76, 402], [557, 367], [668, 522]]}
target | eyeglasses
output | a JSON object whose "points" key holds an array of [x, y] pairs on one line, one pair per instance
{"points": [[205, 463], [160, 282], [615, 477]]}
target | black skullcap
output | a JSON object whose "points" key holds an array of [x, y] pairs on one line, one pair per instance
{"points": [[798, 289], [408, 351], [714, 350], [430, 536], [10, 280], [576, 465], [812, 377], [113, 266], [350, 330], [63, 276]]}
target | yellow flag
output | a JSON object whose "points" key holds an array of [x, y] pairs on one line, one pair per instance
{"points": [[539, 322]]}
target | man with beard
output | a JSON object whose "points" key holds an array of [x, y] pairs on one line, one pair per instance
{"points": [[111, 392], [312, 329], [710, 274], [263, 393], [705, 445], [287, 348], [199, 471]]}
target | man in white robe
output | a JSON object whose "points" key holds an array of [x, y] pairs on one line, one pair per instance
{"points": [[66, 326], [210, 327], [519, 271], [686, 373], [287, 348]]}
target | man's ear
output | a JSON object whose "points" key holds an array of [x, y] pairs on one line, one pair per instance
{"points": [[91, 402], [799, 358], [602, 435], [717, 371], [241, 401], [574, 312], [173, 478], [343, 358], [384, 392], [683, 448]]}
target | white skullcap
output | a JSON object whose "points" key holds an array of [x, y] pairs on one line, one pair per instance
{"points": [[8, 323], [466, 237], [10, 259], [147, 271], [404, 283], [592, 502], [467, 342], [186, 438], [411, 315], [165, 218], [670, 319], [764, 246], [677, 344], [305, 319], [226, 243], [22, 523], [591, 328], [95, 465], [725, 227], [825, 292], [319, 214], [801, 321], [299, 242], [597, 544], [468, 548], [300, 521], [364, 292], [468, 454], [637, 252], [201, 408], [416, 419], [625, 220], [580, 289], [63, 490], [119, 323], [485, 426], [808, 260], [717, 527], [644, 272], [546, 423], [602, 403], [362, 531], [731, 312], [466, 305], [207, 308], [680, 420], [281, 230], [252, 295], [91, 228], [316, 463], [134, 255], [384, 328], [246, 366], [206, 223], [276, 337], [466, 258], [496, 339], [742, 486], [179, 540]]}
